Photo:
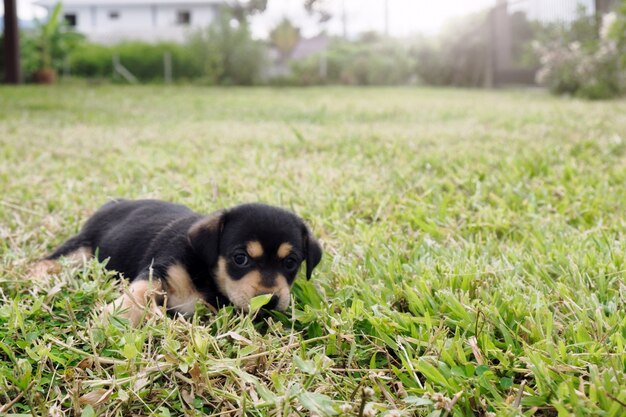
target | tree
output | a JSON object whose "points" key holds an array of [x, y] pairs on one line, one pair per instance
{"points": [[241, 10], [319, 8], [53, 40], [227, 53], [11, 43], [285, 37]]}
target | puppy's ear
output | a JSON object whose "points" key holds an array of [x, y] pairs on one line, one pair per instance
{"points": [[312, 252], [205, 234]]}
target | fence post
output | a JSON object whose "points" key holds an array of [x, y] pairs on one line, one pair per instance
{"points": [[167, 67], [489, 41], [323, 64], [67, 68], [501, 42], [116, 62], [120, 69]]}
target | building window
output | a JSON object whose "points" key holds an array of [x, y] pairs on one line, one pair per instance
{"points": [[70, 19], [114, 15], [183, 17]]}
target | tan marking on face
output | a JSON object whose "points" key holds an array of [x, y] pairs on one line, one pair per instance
{"points": [[182, 295], [282, 290], [241, 291], [132, 303], [284, 249], [43, 269], [254, 249]]}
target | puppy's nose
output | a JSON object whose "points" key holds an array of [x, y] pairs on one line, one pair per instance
{"points": [[272, 303]]}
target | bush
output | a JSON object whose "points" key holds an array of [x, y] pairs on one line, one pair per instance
{"points": [[226, 53], [92, 60], [143, 60], [29, 55], [581, 63], [592, 74], [48, 44], [457, 57], [369, 61]]}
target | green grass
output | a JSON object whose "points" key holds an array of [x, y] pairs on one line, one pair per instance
{"points": [[475, 251]]}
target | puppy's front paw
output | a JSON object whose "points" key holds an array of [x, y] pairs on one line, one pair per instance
{"points": [[41, 270], [136, 303]]}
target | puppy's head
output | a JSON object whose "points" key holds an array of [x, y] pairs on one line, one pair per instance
{"points": [[255, 249]]}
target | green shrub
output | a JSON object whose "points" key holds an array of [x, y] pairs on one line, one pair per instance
{"points": [[146, 61], [92, 60], [457, 57], [614, 28], [369, 61], [47, 45], [576, 61], [143, 60], [28, 56], [226, 52]]}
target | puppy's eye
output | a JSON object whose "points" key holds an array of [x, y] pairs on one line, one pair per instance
{"points": [[241, 259], [290, 264]]}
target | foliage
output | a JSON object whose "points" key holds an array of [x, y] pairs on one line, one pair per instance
{"points": [[474, 251], [48, 44], [143, 60], [243, 10], [224, 53], [227, 52], [370, 60], [319, 8], [457, 57], [95, 60], [285, 37], [575, 60], [522, 35], [49, 31], [614, 27], [30, 56]]}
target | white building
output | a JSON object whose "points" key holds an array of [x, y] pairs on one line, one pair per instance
{"points": [[111, 21]]}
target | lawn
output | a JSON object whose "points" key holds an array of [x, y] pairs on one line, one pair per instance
{"points": [[475, 251]]}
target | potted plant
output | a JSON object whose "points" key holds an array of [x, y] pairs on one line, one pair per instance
{"points": [[54, 40]]}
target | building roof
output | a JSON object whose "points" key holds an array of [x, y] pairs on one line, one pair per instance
{"points": [[52, 3], [309, 46]]}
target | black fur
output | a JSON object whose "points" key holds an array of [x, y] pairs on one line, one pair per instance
{"points": [[144, 237]]}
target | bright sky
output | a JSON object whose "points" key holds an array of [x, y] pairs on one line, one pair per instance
{"points": [[405, 16]]}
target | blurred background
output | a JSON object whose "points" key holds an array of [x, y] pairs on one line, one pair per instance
{"points": [[572, 47]]}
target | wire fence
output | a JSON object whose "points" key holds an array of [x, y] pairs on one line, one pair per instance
{"points": [[551, 11]]}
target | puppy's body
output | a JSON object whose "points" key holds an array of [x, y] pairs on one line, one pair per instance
{"points": [[224, 258], [134, 234]]}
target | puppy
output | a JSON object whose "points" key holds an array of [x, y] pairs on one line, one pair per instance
{"points": [[177, 257]]}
